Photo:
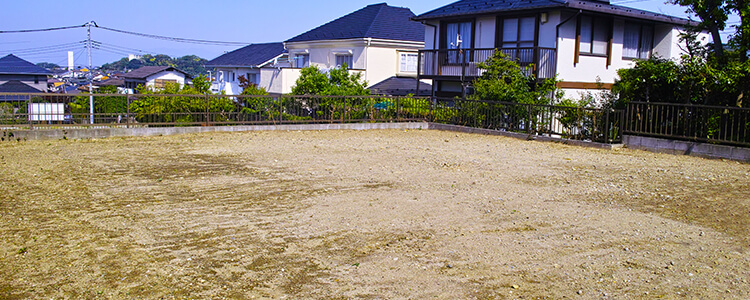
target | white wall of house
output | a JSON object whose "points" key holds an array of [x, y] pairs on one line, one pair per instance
{"points": [[227, 79], [279, 81], [377, 60], [166, 75]]}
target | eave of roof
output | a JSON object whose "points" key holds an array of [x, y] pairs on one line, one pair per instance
{"points": [[588, 6]]}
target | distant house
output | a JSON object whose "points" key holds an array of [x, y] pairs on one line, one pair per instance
{"points": [[20, 76], [258, 63], [583, 43], [379, 41], [155, 77]]}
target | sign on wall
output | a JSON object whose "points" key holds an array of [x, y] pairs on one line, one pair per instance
{"points": [[46, 111]]}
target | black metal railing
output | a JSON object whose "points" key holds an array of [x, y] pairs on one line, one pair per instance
{"points": [[599, 125], [700, 123], [537, 61]]}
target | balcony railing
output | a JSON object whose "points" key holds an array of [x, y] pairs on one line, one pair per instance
{"points": [[536, 61]]}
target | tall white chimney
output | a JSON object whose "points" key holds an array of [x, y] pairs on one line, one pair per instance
{"points": [[71, 63]]}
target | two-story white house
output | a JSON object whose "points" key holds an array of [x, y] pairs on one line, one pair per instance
{"points": [[379, 41], [584, 43], [260, 64]]}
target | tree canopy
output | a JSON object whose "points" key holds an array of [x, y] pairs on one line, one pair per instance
{"points": [[336, 82], [191, 64]]}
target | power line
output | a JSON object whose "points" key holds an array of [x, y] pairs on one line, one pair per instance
{"points": [[174, 39], [41, 30]]}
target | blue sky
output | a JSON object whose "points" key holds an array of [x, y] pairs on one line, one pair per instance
{"points": [[235, 21]]}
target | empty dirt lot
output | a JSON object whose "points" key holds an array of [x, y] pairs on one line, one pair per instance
{"points": [[367, 214]]}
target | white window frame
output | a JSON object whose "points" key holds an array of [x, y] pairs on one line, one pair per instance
{"points": [[347, 58], [305, 62], [407, 65]]}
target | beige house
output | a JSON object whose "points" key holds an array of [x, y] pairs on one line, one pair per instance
{"points": [[379, 41]]}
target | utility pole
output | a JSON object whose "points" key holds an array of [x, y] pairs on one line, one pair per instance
{"points": [[91, 76]]}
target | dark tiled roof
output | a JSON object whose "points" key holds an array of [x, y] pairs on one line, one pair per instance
{"points": [[112, 81], [478, 7], [400, 86], [144, 72], [15, 86], [11, 64], [251, 55], [378, 21]]}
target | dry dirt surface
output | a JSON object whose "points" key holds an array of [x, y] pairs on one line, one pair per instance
{"points": [[382, 214]]}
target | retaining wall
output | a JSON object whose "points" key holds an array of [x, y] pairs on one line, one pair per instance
{"points": [[687, 148]]}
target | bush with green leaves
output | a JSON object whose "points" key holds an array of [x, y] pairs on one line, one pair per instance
{"points": [[338, 82], [504, 80], [185, 105]]}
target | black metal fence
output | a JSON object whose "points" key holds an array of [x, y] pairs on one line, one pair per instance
{"points": [[700, 123], [721, 125], [599, 125], [149, 110]]}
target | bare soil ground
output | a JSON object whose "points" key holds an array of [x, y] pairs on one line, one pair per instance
{"points": [[367, 214]]}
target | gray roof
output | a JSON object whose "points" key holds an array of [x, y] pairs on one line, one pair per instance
{"points": [[11, 64], [378, 21], [15, 86], [479, 7], [253, 55], [400, 86], [144, 72]]}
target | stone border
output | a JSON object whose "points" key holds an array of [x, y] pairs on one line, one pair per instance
{"points": [[97, 133], [686, 148]]}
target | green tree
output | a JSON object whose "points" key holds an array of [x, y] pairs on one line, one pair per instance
{"points": [[504, 80], [337, 82], [104, 106], [189, 106]]}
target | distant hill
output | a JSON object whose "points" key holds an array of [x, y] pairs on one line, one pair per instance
{"points": [[49, 66], [191, 64]]}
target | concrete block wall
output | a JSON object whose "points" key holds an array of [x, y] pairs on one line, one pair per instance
{"points": [[687, 148]]}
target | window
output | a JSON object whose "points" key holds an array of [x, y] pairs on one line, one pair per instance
{"points": [[408, 63], [637, 41], [594, 35], [302, 60], [252, 78], [457, 36], [518, 32], [344, 59]]}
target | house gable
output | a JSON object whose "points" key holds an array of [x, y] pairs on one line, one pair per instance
{"points": [[378, 21]]}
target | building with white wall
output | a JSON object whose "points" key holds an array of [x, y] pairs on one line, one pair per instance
{"points": [[379, 41], [583, 43], [154, 77], [260, 64]]}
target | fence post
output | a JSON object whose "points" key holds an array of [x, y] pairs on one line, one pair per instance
{"points": [[528, 119], [28, 110], [127, 107], [398, 109], [208, 104]]}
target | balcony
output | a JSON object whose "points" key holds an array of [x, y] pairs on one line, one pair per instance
{"points": [[462, 63]]}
